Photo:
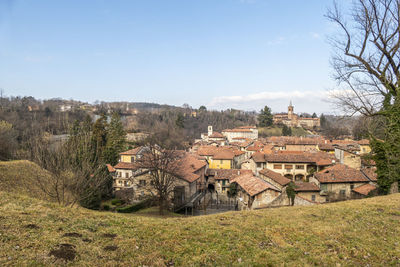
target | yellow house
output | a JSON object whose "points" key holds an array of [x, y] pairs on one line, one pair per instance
{"points": [[227, 159], [364, 146], [131, 155]]}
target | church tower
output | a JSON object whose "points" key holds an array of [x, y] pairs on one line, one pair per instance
{"points": [[290, 110]]}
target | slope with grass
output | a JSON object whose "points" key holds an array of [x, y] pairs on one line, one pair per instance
{"points": [[22, 176], [359, 232]]}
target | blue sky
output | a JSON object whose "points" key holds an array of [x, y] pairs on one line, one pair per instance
{"points": [[219, 53]]}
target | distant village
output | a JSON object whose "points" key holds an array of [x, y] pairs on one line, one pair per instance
{"points": [[262, 170]]}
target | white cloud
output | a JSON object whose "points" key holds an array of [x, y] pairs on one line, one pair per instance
{"points": [[276, 41]]}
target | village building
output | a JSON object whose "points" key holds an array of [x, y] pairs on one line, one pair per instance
{"points": [[220, 180], [291, 119], [212, 136], [349, 155], [274, 178], [250, 132], [309, 191], [296, 166], [136, 181], [338, 181], [254, 192], [222, 157]]}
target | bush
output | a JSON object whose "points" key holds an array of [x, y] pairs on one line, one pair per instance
{"points": [[117, 202], [106, 207], [135, 207]]}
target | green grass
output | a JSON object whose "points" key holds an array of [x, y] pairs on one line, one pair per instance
{"points": [[353, 233], [277, 131]]}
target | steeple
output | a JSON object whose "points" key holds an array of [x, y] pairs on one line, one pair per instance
{"points": [[290, 110]]}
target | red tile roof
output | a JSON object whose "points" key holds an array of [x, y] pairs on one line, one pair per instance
{"points": [[253, 185], [188, 165], [126, 165], [306, 187], [110, 168], [280, 179], [340, 174], [364, 189], [216, 135], [131, 151], [258, 157], [230, 174], [370, 173]]}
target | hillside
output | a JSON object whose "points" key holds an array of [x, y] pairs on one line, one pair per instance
{"points": [[359, 232], [22, 176]]}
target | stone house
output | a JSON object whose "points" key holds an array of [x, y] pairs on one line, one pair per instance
{"points": [[309, 191], [222, 178], [274, 178], [338, 181], [190, 177], [254, 192], [349, 155]]}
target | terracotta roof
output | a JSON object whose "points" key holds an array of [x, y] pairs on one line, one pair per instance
{"points": [[280, 179], [247, 127], [340, 174], [364, 189], [207, 150], [258, 157], [306, 187], [253, 185], [188, 165], [370, 173], [131, 151], [110, 168], [363, 142], [216, 135], [126, 165], [230, 174], [224, 154], [326, 147]]}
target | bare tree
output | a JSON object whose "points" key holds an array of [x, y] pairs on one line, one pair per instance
{"points": [[366, 62], [366, 55], [163, 168], [76, 174]]}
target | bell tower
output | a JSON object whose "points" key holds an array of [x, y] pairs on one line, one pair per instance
{"points": [[210, 130], [290, 110]]}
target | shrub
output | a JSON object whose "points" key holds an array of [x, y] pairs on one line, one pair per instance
{"points": [[135, 207], [106, 207], [117, 202]]}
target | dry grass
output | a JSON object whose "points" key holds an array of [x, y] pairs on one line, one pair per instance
{"points": [[352, 233], [21, 176]]}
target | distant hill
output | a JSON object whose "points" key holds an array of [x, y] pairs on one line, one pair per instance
{"points": [[352, 233]]}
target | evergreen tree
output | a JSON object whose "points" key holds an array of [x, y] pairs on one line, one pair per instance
{"points": [[314, 115], [265, 117], [286, 131], [180, 121], [100, 134], [115, 140]]}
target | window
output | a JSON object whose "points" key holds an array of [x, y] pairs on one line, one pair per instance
{"points": [[221, 161], [142, 182], [300, 167], [278, 166], [258, 164], [223, 182], [342, 193], [132, 159], [288, 167], [324, 187], [351, 186], [126, 175], [312, 197]]}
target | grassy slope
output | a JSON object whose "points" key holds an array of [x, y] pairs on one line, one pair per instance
{"points": [[277, 131], [21, 176], [356, 232]]}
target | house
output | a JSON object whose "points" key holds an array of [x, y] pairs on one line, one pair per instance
{"points": [[133, 177], [364, 191], [212, 136], [254, 192], [274, 178], [222, 178], [338, 181], [291, 119], [349, 155], [249, 132], [309, 192], [222, 157], [364, 146], [294, 165]]}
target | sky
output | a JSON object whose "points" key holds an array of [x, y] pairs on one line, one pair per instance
{"points": [[242, 54]]}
